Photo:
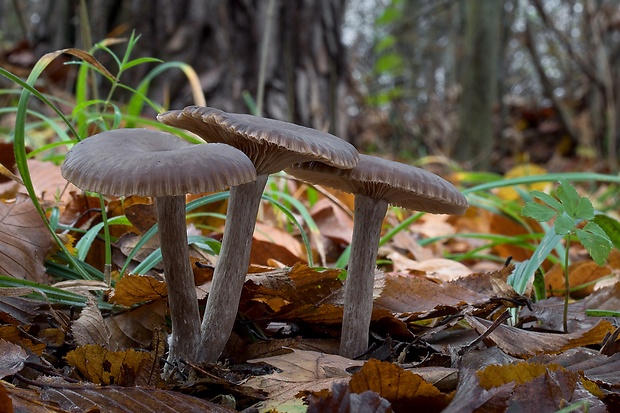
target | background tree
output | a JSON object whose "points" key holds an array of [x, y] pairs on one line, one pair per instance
{"points": [[480, 63], [306, 68]]}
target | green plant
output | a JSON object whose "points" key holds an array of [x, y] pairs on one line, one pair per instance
{"points": [[570, 212]]}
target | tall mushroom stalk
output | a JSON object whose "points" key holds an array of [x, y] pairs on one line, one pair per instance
{"points": [[376, 183], [272, 145], [157, 164]]}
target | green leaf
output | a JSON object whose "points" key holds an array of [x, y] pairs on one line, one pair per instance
{"points": [[584, 209], [389, 62], [549, 200], [611, 228], [567, 194], [564, 225], [524, 271], [539, 212], [598, 245]]}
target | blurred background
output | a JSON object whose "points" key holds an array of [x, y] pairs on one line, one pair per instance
{"points": [[488, 84]]}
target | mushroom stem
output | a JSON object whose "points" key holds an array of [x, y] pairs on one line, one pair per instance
{"points": [[231, 268], [358, 295], [182, 298]]}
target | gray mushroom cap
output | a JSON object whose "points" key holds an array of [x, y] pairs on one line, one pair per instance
{"points": [[153, 163], [398, 183], [271, 144]]}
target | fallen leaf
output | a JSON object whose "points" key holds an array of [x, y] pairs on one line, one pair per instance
{"points": [[400, 387], [332, 221], [124, 368], [90, 328], [441, 269], [307, 371], [273, 243], [135, 289], [521, 343], [12, 358], [470, 396], [135, 327], [89, 398], [14, 310], [418, 297], [24, 241], [20, 336], [341, 400], [579, 273]]}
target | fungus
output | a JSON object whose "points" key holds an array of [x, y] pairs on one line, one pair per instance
{"points": [[272, 145], [158, 164], [375, 182]]}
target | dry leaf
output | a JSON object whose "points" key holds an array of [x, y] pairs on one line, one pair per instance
{"points": [[135, 289], [12, 358], [521, 343], [135, 327], [307, 371], [90, 328], [21, 337], [441, 269], [341, 400], [332, 221], [89, 398], [124, 368], [578, 273], [273, 243], [24, 241], [419, 297], [400, 387]]}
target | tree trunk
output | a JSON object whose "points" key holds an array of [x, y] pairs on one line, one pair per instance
{"points": [[474, 143]]}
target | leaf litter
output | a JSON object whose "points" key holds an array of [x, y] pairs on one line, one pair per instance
{"points": [[436, 342]]}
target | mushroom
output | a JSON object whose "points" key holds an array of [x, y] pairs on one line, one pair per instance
{"points": [[272, 145], [376, 182], [158, 164]]}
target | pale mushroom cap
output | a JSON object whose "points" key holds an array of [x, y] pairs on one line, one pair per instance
{"points": [[153, 163], [398, 183], [271, 144]]}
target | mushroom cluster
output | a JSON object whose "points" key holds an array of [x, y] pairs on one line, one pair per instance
{"points": [[158, 164], [241, 152], [272, 145]]}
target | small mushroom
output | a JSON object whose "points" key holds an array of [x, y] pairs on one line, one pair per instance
{"points": [[158, 164], [376, 182], [272, 145]]}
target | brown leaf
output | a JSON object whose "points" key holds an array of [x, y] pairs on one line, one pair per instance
{"points": [[135, 327], [19, 336], [579, 273], [90, 328], [134, 289], [89, 398], [14, 310], [48, 182], [306, 371], [297, 285], [332, 221], [271, 243], [400, 387], [341, 400], [540, 387], [552, 391], [607, 298], [124, 368], [601, 369], [12, 358], [24, 241], [419, 297], [521, 343], [470, 396], [441, 269]]}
